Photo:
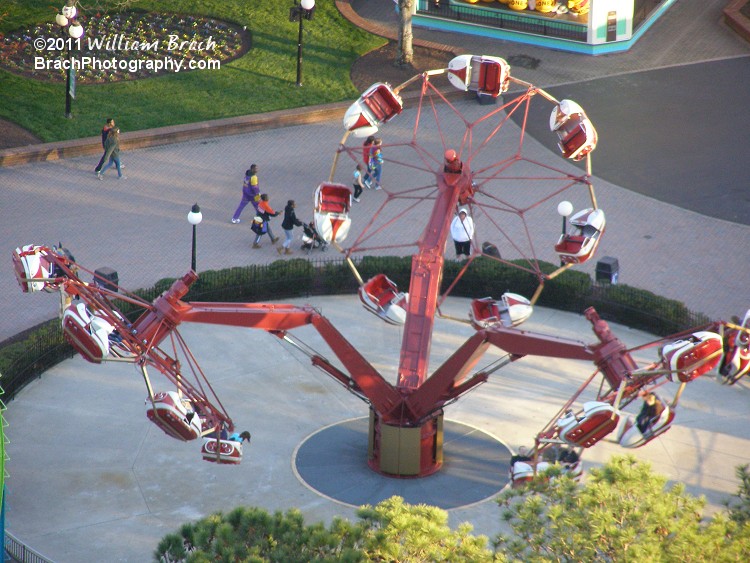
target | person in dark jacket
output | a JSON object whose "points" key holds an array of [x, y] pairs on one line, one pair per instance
{"points": [[112, 146], [290, 221], [108, 125], [650, 412]]}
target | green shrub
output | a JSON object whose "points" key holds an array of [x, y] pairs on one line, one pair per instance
{"points": [[29, 354]]}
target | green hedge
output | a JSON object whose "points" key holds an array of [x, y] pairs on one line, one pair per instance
{"points": [[28, 355]]}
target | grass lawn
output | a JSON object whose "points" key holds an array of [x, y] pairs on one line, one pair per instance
{"points": [[262, 80]]}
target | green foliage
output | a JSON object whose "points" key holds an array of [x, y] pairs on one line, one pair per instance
{"points": [[643, 310], [624, 512], [262, 80], [396, 531], [390, 531], [739, 506]]}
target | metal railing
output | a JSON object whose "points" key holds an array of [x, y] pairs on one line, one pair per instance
{"points": [[17, 551], [525, 22]]}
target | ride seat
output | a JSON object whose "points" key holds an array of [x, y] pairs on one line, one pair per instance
{"points": [[333, 205], [485, 310], [382, 104], [573, 141], [570, 244], [489, 78]]}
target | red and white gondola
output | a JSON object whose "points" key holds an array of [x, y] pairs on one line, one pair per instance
{"points": [[378, 104], [512, 310], [33, 269], [579, 244], [736, 359], [228, 452], [381, 296], [597, 421], [331, 214], [693, 356], [174, 415], [576, 135], [87, 332], [630, 436], [479, 73]]}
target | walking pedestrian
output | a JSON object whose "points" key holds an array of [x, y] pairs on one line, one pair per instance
{"points": [[250, 193], [366, 158], [109, 124], [112, 145], [290, 221], [462, 231], [358, 185], [376, 162], [265, 212]]}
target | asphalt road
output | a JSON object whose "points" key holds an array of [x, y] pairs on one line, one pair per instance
{"points": [[679, 134]]}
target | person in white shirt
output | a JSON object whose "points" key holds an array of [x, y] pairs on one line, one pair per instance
{"points": [[462, 231]]}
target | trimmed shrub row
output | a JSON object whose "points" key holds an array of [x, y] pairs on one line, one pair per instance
{"points": [[27, 355]]}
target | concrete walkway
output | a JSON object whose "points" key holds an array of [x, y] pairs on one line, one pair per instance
{"points": [[104, 484], [91, 479]]}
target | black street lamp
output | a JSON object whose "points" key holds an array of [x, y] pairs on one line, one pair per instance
{"points": [[67, 19], [302, 11], [194, 218], [564, 208]]}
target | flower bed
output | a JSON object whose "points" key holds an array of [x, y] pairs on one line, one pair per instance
{"points": [[123, 46]]}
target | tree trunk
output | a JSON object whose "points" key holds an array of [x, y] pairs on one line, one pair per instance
{"points": [[405, 53]]}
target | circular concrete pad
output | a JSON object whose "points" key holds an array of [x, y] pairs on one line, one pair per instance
{"points": [[475, 467]]}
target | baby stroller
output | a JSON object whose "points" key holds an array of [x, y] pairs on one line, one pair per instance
{"points": [[311, 239]]}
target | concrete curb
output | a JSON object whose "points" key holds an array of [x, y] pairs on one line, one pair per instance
{"points": [[175, 133]]}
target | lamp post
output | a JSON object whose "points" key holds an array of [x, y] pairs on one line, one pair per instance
{"points": [[302, 11], [67, 19], [564, 208], [194, 218]]}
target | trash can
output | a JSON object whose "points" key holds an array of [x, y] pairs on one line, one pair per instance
{"points": [[106, 278], [608, 270], [489, 249]]}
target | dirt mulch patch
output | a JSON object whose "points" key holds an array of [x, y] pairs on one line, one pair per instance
{"points": [[12, 135], [378, 65]]}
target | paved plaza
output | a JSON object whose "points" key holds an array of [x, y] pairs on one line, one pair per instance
{"points": [[90, 479]]}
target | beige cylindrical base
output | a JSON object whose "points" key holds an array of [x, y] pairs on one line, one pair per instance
{"points": [[406, 451]]}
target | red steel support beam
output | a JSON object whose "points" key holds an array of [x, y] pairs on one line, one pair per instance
{"points": [[426, 274]]}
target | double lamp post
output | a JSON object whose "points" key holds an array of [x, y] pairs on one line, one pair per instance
{"points": [[299, 12], [66, 19]]}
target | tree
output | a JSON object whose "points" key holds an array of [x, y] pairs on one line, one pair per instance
{"points": [[390, 531], [396, 531], [254, 535], [405, 53], [624, 512], [739, 508]]}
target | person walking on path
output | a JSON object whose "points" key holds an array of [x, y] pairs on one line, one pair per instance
{"points": [[109, 124], [112, 146], [366, 146], [290, 221], [250, 193], [376, 163], [358, 185], [265, 212], [462, 231]]}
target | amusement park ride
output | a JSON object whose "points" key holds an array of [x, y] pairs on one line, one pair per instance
{"points": [[481, 169]]}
